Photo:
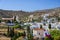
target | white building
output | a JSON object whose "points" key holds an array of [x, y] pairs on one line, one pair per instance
{"points": [[38, 33]]}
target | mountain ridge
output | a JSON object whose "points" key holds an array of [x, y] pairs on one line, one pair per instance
{"points": [[22, 14]]}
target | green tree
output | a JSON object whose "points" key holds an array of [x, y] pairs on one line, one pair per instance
{"points": [[49, 26], [0, 21], [55, 34], [17, 26], [29, 35]]}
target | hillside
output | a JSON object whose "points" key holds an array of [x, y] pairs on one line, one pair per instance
{"points": [[22, 14]]}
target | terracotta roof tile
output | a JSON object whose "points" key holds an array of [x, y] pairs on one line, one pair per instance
{"points": [[38, 29]]}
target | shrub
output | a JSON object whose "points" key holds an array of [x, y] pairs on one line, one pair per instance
{"points": [[46, 38], [55, 34], [17, 26], [16, 36], [57, 38]]}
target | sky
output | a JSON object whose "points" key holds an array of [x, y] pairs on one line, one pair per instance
{"points": [[28, 5]]}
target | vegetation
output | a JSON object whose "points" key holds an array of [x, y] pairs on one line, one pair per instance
{"points": [[55, 34], [58, 18], [16, 36], [0, 20], [50, 38], [16, 26], [49, 26], [30, 37], [23, 14]]}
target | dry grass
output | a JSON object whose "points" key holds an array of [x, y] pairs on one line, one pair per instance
{"points": [[20, 38], [2, 31], [20, 31], [4, 38]]}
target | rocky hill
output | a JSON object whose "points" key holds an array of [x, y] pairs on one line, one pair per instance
{"points": [[22, 14]]}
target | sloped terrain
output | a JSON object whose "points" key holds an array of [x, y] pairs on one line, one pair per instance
{"points": [[22, 14]]}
